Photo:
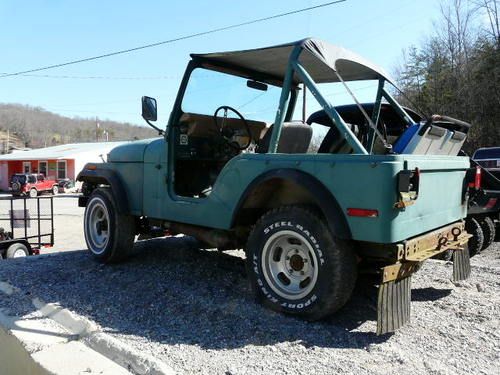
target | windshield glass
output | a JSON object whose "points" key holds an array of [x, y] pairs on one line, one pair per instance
{"points": [[207, 90]]}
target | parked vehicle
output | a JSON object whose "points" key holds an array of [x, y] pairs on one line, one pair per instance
{"points": [[29, 223], [66, 186], [32, 184], [308, 222], [484, 202]]}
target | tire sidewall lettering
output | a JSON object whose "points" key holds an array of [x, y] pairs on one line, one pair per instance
{"points": [[269, 230]]}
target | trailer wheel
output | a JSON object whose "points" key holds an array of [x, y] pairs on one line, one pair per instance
{"points": [[33, 193], [109, 234], [17, 250], [488, 228], [296, 266], [476, 241]]}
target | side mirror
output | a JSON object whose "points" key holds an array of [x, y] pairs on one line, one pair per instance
{"points": [[149, 110]]}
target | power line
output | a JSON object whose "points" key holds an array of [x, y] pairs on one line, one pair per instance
{"points": [[94, 77], [190, 36]]}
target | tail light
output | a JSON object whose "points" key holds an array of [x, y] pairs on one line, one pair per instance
{"points": [[362, 212], [476, 183]]}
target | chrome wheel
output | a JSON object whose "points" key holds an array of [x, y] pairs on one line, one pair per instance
{"points": [[19, 253], [289, 265], [33, 193], [98, 226]]}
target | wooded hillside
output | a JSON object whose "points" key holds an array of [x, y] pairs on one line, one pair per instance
{"points": [[36, 127], [456, 71]]}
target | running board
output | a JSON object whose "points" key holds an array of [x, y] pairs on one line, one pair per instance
{"points": [[461, 264], [393, 307]]}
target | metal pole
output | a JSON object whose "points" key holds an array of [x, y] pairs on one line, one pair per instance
{"points": [[330, 110], [39, 220], [25, 220], [284, 101], [52, 221], [304, 103], [376, 114], [12, 216]]}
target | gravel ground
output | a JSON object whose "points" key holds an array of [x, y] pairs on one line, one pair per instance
{"points": [[192, 309]]}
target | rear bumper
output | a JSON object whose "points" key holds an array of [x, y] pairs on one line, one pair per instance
{"points": [[394, 297]]}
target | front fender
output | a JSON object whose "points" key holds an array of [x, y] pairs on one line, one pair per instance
{"points": [[100, 176]]}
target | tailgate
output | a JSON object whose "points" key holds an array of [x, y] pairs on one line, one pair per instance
{"points": [[358, 183], [441, 195]]}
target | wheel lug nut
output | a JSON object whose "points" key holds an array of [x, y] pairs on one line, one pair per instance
{"points": [[302, 272]]}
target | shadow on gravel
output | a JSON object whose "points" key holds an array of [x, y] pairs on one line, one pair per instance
{"points": [[171, 292], [429, 294]]}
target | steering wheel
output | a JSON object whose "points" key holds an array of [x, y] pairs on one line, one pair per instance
{"points": [[226, 132]]}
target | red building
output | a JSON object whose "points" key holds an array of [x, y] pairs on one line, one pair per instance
{"points": [[60, 162]]}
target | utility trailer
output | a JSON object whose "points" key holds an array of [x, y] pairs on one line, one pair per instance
{"points": [[232, 169], [26, 225]]}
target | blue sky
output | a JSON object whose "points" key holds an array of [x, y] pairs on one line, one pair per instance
{"points": [[45, 32]]}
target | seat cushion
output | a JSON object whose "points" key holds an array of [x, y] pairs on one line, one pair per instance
{"points": [[294, 139]]}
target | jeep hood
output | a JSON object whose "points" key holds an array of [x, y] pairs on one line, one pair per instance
{"points": [[131, 152]]}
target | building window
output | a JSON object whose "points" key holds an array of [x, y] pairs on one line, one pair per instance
{"points": [[61, 169], [26, 167], [42, 167]]}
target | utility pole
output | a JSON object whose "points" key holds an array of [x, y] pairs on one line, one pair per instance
{"points": [[97, 129]]}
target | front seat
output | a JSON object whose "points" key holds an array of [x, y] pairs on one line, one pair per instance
{"points": [[294, 139]]}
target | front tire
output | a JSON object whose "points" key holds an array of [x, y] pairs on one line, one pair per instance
{"points": [[55, 190], [297, 267], [109, 234], [33, 193]]}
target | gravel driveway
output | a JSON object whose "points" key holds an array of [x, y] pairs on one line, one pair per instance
{"points": [[192, 309]]}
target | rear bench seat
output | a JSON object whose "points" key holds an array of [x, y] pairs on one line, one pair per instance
{"points": [[425, 139]]}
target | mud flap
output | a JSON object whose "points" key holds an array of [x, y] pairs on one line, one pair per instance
{"points": [[393, 308], [461, 264]]}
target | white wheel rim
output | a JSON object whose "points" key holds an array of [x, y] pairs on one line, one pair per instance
{"points": [[97, 226], [289, 265], [19, 253], [33, 193]]}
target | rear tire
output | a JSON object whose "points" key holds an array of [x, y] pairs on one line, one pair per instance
{"points": [[109, 234], [55, 190], [295, 266], [476, 241], [33, 193], [488, 228], [17, 250]]}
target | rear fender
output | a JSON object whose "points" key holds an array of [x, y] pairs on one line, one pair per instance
{"points": [[321, 197]]}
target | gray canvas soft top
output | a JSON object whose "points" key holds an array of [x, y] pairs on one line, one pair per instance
{"points": [[318, 58]]}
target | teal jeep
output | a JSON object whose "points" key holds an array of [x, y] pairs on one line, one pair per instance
{"points": [[234, 169]]}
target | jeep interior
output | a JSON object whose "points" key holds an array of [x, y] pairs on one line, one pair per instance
{"points": [[390, 124], [223, 116]]}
